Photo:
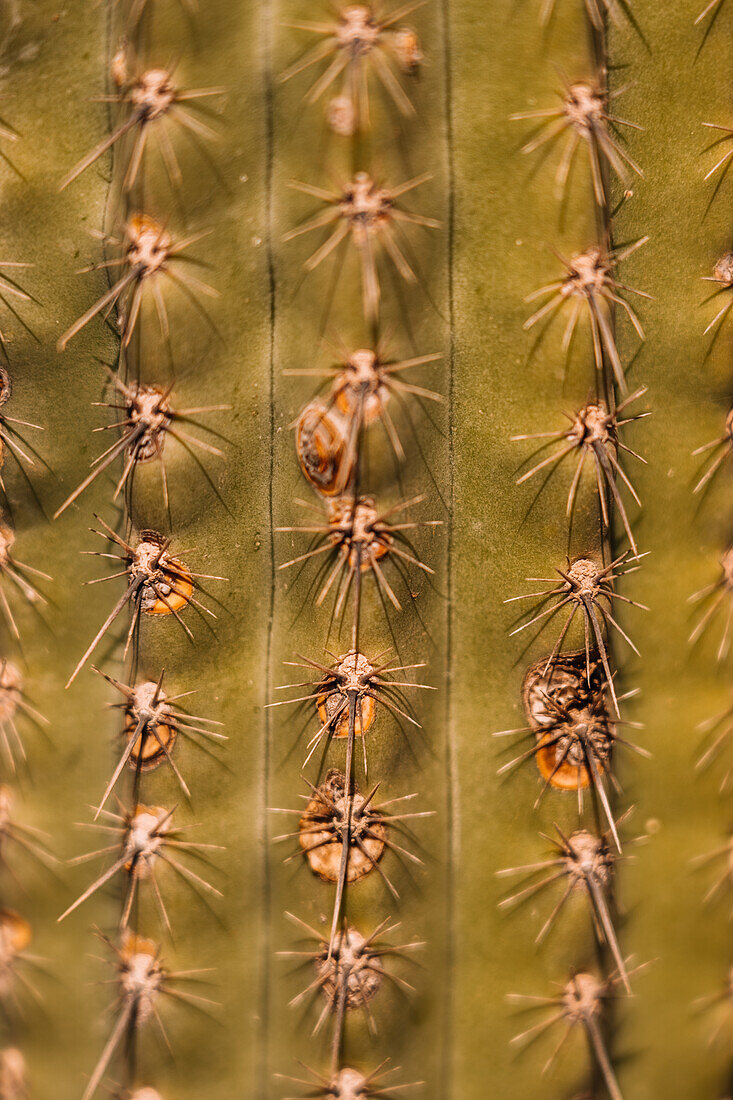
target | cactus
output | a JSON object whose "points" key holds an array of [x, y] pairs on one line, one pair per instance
{"points": [[322, 332]]}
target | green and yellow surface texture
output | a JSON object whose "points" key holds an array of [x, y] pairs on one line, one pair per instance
{"points": [[500, 221]]}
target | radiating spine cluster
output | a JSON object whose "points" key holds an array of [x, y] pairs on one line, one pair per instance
{"points": [[144, 847], [571, 696], [360, 67]]}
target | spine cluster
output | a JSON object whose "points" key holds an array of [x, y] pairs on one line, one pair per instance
{"points": [[571, 696], [358, 541]]}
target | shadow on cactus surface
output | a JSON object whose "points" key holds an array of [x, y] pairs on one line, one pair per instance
{"points": [[366, 599]]}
